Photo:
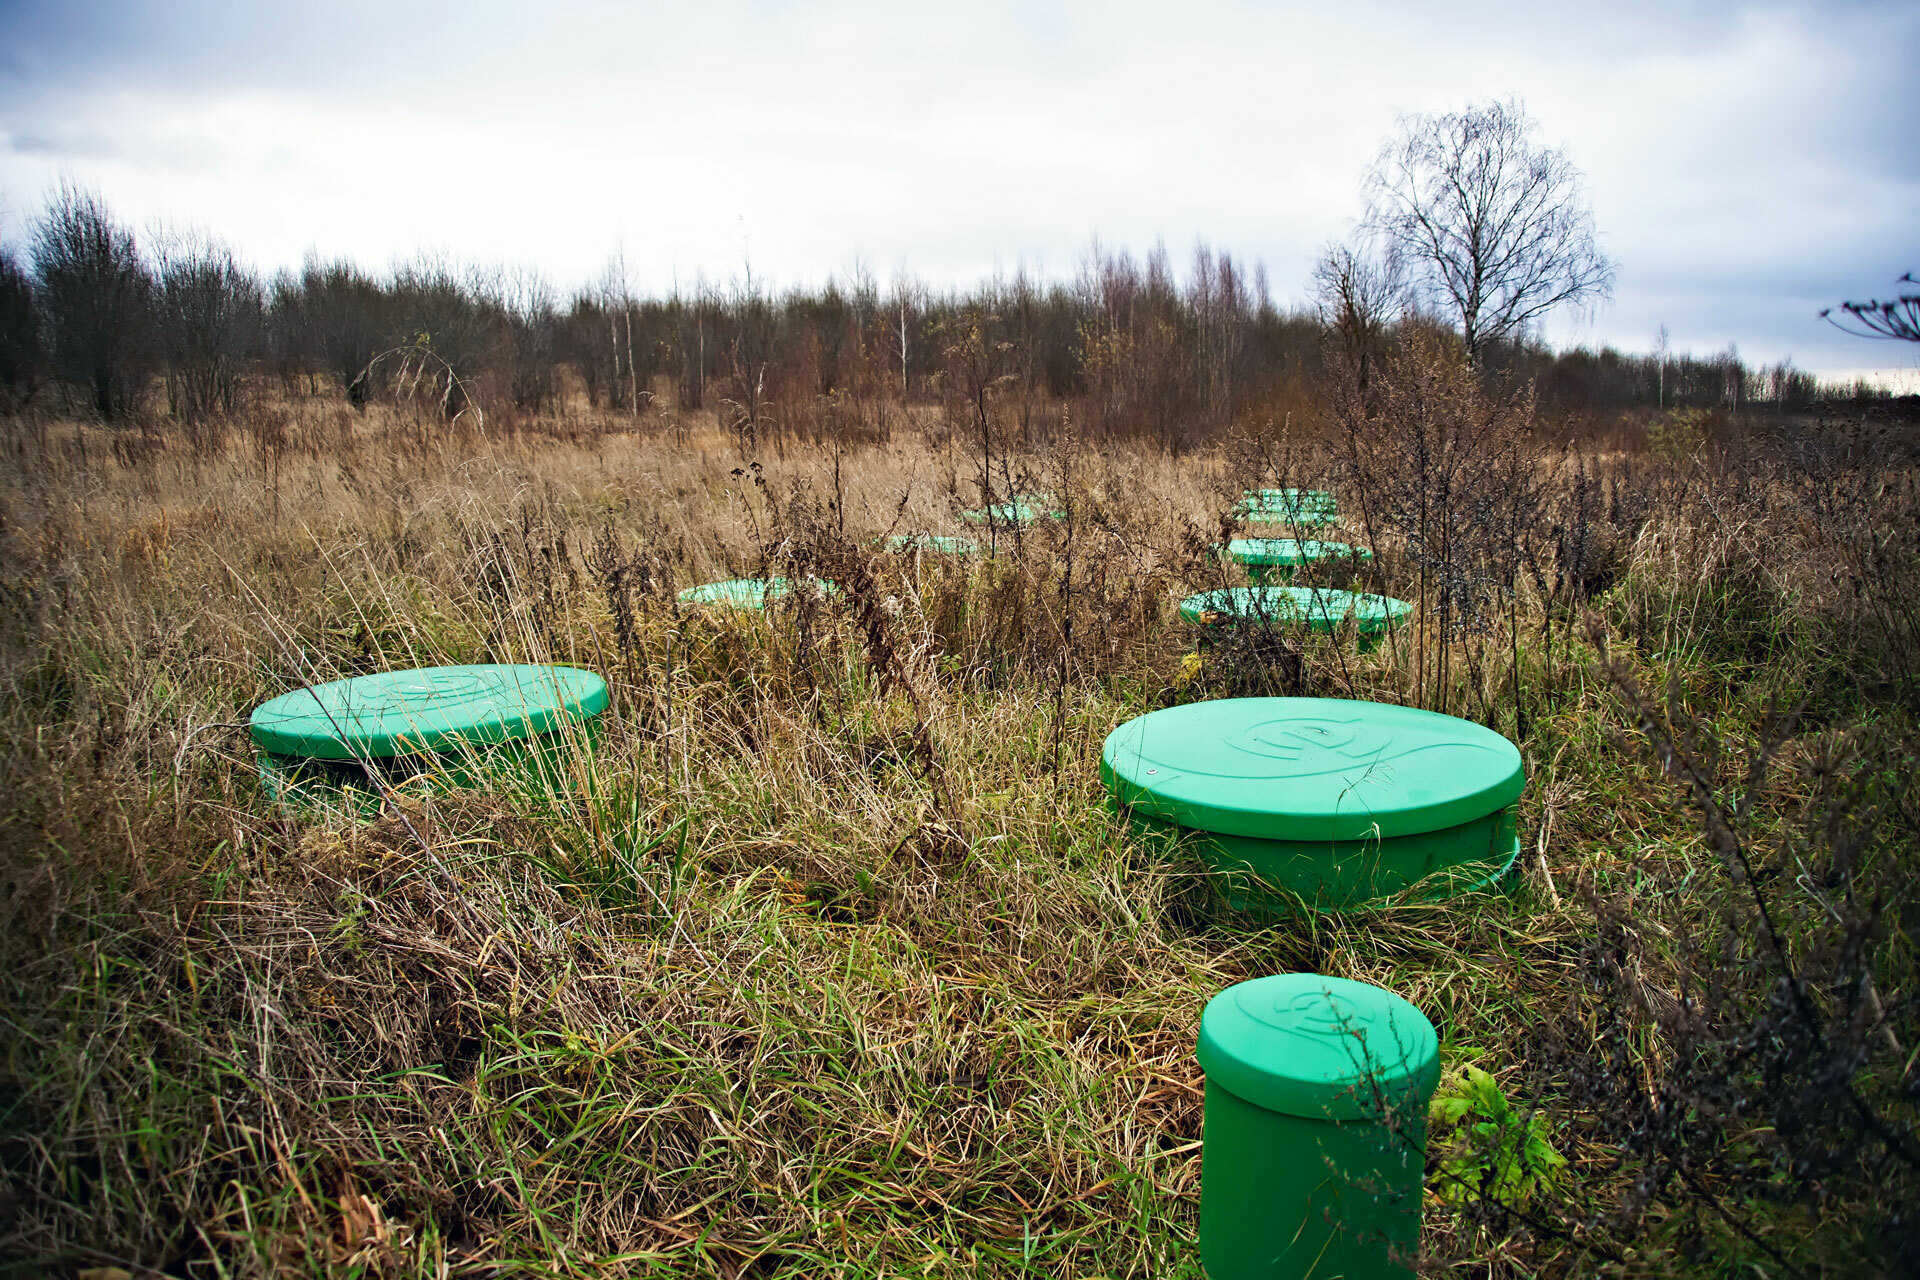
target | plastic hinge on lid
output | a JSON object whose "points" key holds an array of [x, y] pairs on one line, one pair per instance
{"points": [[1305, 1044]]}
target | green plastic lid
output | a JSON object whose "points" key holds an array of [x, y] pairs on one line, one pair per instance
{"points": [[1298, 517], [428, 709], [1011, 513], [1327, 1048], [1310, 768], [1281, 499], [1302, 506], [941, 543], [1319, 608], [1289, 552], [744, 593]]}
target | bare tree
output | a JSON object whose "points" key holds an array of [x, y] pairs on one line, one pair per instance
{"points": [[450, 324], [210, 312], [96, 299], [529, 338], [1896, 318], [1492, 228], [20, 352], [1359, 295], [345, 320], [1662, 345], [749, 354]]}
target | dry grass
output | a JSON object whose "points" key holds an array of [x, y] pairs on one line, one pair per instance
{"points": [[763, 985]]}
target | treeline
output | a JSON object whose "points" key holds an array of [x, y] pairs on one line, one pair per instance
{"points": [[95, 320]]}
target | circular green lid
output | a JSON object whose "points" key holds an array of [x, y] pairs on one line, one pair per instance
{"points": [[744, 593], [1011, 513], [1287, 504], [1309, 769], [1251, 498], [1319, 608], [428, 709], [1289, 552], [941, 543], [1304, 1044], [1299, 517]]}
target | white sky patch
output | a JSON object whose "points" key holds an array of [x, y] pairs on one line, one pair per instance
{"points": [[1736, 175]]}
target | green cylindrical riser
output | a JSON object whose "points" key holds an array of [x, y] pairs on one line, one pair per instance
{"points": [[542, 757], [1285, 1196], [1268, 879]]}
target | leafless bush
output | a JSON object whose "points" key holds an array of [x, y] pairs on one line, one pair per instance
{"points": [[1749, 1064], [1442, 473]]}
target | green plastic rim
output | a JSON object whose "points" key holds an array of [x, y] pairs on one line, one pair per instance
{"points": [[746, 593], [1304, 1044], [430, 709], [1306, 770], [1316, 608], [936, 542], [1291, 553]]}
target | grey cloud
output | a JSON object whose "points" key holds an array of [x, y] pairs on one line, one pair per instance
{"points": [[1748, 161]]}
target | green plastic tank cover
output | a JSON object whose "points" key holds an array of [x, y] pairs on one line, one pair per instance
{"points": [[1290, 553], [1288, 506], [941, 543], [1287, 500], [744, 593], [429, 709], [1011, 513], [1304, 1044], [1310, 769], [1320, 608]]}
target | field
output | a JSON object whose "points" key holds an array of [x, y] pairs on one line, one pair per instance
{"points": [[830, 958]]}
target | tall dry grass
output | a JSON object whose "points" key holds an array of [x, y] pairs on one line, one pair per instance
{"points": [[829, 958]]}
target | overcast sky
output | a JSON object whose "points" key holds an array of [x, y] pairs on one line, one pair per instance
{"points": [[1748, 164]]}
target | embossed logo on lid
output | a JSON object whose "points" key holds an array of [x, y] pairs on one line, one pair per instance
{"points": [[1319, 1014], [425, 688], [1314, 745]]}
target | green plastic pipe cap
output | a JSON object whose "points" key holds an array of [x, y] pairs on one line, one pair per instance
{"points": [[745, 593], [1310, 769], [1290, 553], [399, 713], [1317, 608], [1304, 1044]]}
